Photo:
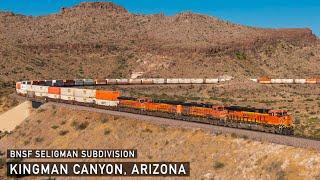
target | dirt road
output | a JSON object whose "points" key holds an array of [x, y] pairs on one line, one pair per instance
{"points": [[13, 117]]}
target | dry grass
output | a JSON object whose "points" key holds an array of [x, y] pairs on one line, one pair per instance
{"points": [[221, 156]]}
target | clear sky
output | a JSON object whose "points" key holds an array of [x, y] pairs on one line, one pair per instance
{"points": [[260, 13]]}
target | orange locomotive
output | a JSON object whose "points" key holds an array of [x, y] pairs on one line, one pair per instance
{"points": [[275, 121]]}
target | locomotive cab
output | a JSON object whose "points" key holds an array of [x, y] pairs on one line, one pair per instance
{"points": [[278, 113]]}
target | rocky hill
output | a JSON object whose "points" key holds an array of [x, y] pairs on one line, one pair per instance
{"points": [[105, 40]]}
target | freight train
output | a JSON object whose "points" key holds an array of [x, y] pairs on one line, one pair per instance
{"points": [[266, 120]]}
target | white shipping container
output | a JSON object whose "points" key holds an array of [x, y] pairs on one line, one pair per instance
{"points": [[37, 88], [211, 81], [147, 81], [276, 81], [84, 99], [135, 81], [254, 80], [287, 81], [196, 81], [68, 98], [158, 81], [111, 81], [172, 81], [84, 92], [106, 102], [54, 96], [184, 81], [67, 91], [41, 94], [300, 81], [122, 81]]}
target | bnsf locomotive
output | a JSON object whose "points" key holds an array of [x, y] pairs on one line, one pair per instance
{"points": [[273, 121]]}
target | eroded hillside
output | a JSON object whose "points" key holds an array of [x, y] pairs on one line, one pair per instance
{"points": [[211, 155]]}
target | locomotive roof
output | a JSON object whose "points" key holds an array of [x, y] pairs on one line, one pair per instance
{"points": [[247, 109]]}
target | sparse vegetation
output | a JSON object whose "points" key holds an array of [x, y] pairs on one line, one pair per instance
{"points": [[63, 132], [80, 126], [38, 139], [54, 126], [107, 131], [218, 165]]}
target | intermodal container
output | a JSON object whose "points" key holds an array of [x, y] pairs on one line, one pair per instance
{"points": [[90, 93], [78, 82], [48, 83], [107, 103], [67, 91], [122, 81], [107, 95], [184, 81], [196, 81], [100, 82], [172, 81], [311, 81], [147, 81], [135, 81], [111, 81], [300, 81], [88, 82], [54, 90], [68, 98], [211, 81], [58, 83], [68, 82], [158, 81]]}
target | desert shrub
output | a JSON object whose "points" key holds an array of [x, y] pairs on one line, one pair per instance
{"points": [[63, 122], [218, 165], [26, 142], [54, 126], [80, 126], [107, 131], [63, 132], [103, 120], [41, 110], [2, 161], [147, 130], [241, 55], [38, 139], [234, 135]]}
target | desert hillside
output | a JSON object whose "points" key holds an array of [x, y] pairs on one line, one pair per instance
{"points": [[105, 40], [211, 155]]}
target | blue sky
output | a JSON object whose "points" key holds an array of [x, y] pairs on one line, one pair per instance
{"points": [[260, 13]]}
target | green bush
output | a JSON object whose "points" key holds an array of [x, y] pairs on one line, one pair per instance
{"points": [[54, 126], [218, 165]]}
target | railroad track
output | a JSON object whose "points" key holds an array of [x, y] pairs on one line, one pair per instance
{"points": [[254, 135]]}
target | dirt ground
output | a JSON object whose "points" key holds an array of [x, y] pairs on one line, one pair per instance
{"points": [[211, 155]]}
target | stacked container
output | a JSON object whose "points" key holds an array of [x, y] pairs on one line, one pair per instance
{"points": [[172, 81], [40, 91], [84, 95], [211, 81], [196, 81], [54, 92], [67, 94], [107, 98]]}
